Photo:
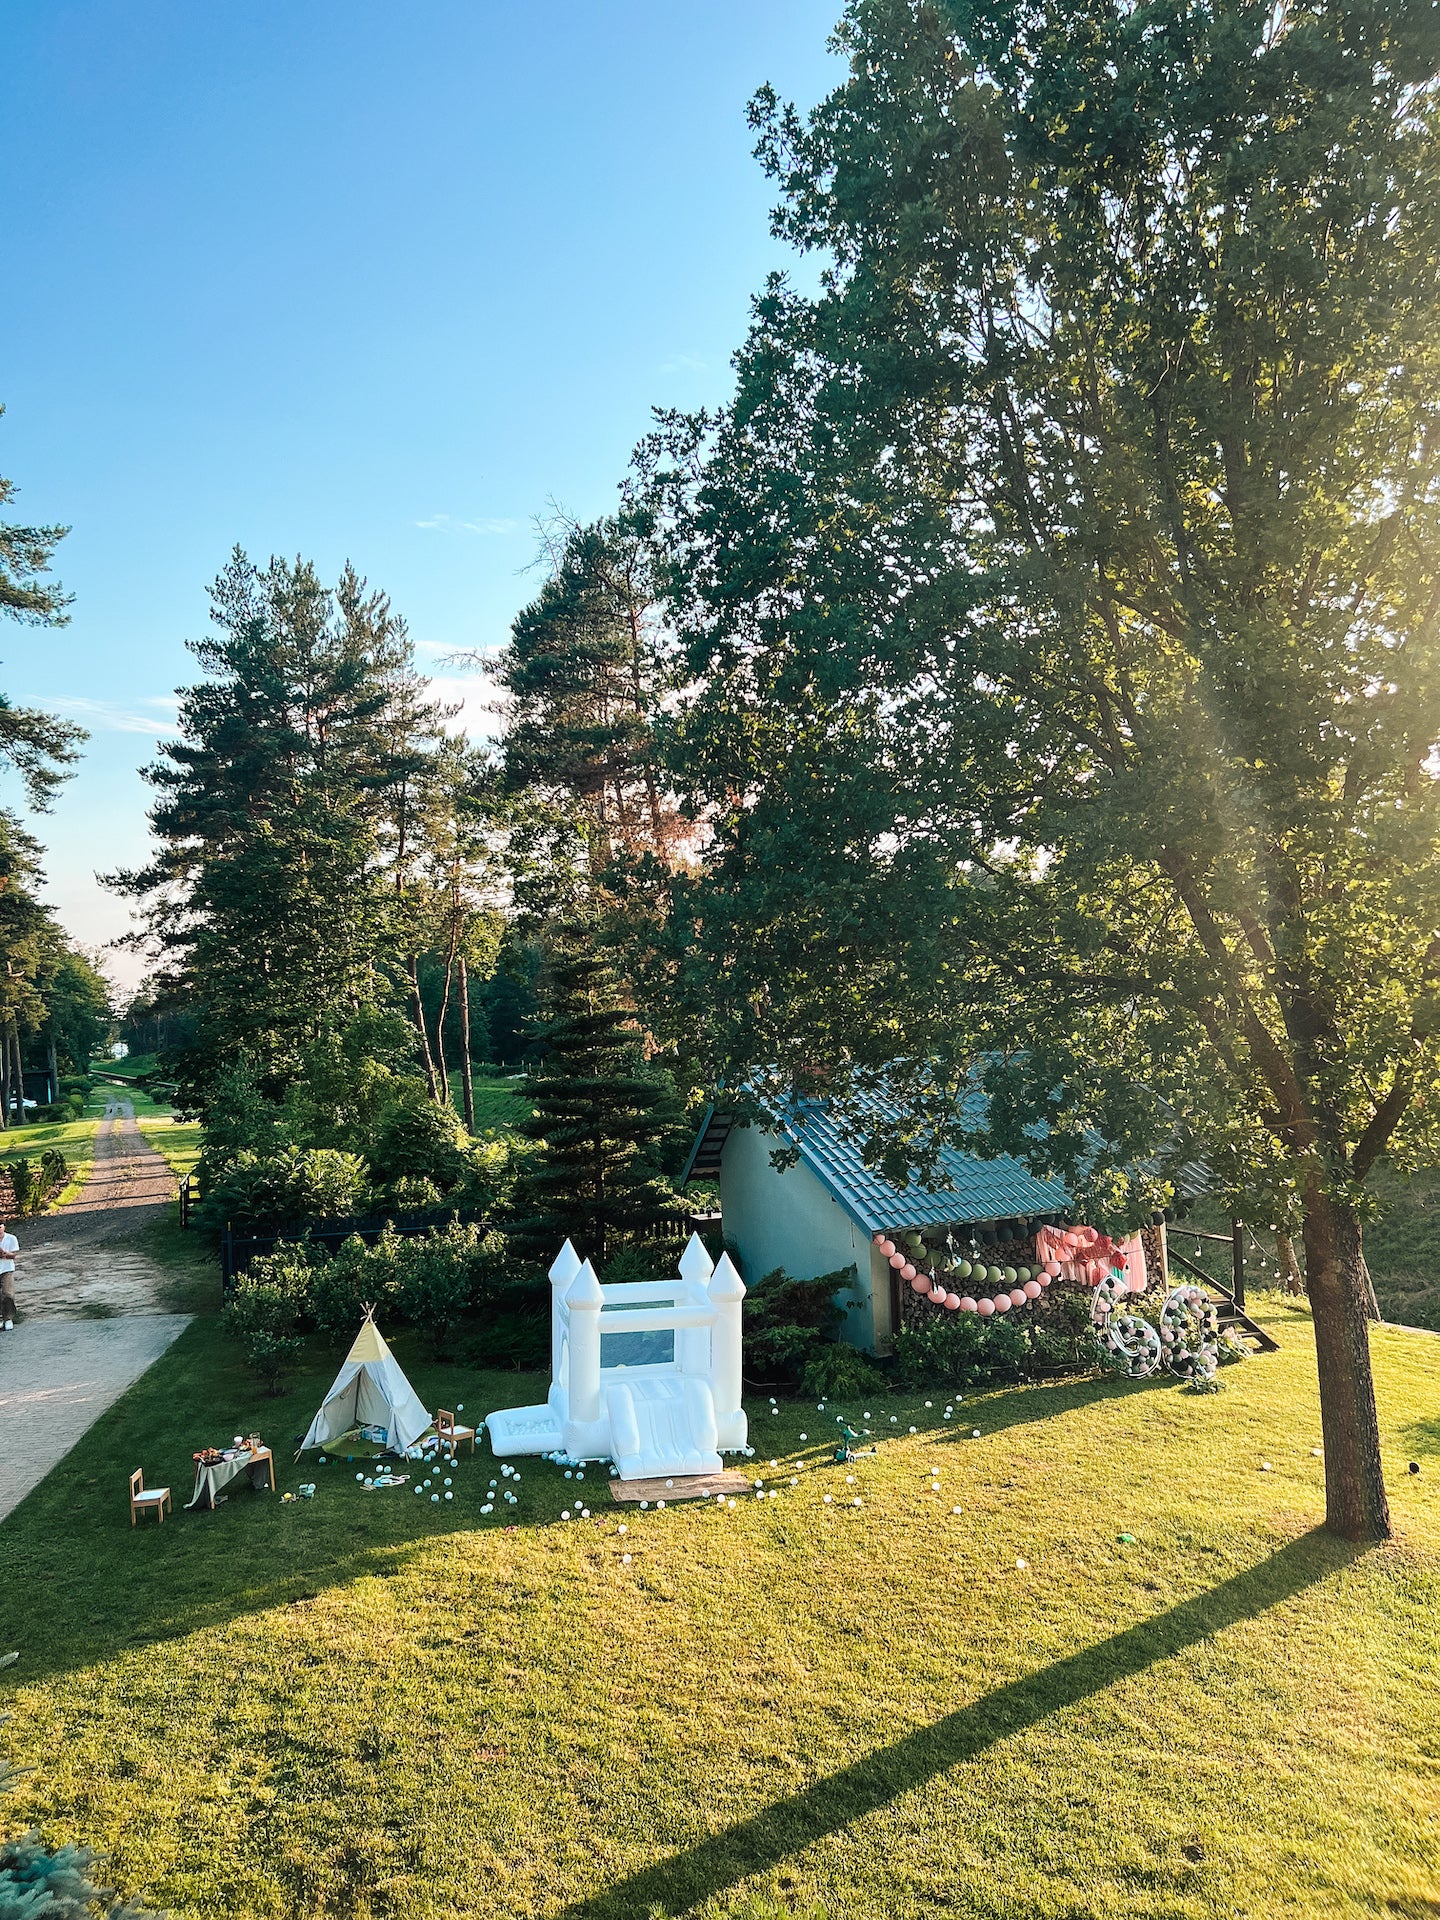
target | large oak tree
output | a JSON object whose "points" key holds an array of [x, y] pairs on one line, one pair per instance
{"points": [[1061, 593]]}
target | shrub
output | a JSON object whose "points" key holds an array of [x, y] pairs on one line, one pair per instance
{"points": [[417, 1139], [789, 1323], [266, 1317], [837, 1370], [439, 1279], [36, 1183], [260, 1191], [354, 1277], [962, 1350]]}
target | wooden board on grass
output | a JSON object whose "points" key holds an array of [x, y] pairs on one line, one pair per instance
{"points": [[690, 1486]]}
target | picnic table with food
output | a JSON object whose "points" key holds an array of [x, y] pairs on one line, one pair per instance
{"points": [[216, 1467]]}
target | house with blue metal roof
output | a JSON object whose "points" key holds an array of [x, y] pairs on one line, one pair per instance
{"points": [[821, 1214]]}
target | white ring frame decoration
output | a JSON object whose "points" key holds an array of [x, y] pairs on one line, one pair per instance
{"points": [[1187, 1343], [1190, 1332], [1126, 1335]]}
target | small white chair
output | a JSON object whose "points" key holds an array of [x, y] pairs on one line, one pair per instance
{"points": [[450, 1435], [155, 1500]]}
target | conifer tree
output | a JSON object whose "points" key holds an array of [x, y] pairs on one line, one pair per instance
{"points": [[600, 1117], [268, 897], [40, 747]]}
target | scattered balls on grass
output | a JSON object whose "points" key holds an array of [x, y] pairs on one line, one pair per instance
{"points": [[975, 1433], [957, 1509], [827, 1499], [624, 1559], [804, 1436], [1021, 1564], [623, 1528], [566, 1514], [436, 1498]]}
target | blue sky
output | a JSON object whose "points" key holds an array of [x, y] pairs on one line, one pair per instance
{"points": [[353, 280]]}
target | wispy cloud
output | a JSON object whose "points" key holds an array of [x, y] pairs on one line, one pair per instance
{"points": [[478, 698], [104, 716], [443, 523], [685, 363]]}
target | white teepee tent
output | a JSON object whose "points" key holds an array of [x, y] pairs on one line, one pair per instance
{"points": [[370, 1390]]}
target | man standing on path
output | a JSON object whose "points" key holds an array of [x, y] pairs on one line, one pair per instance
{"points": [[9, 1247]]}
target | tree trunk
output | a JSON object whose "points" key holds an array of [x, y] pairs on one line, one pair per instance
{"points": [[417, 1006], [441, 1016], [466, 1078], [1290, 1274], [1355, 1504], [5, 1074]]}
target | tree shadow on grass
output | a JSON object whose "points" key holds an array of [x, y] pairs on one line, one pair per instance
{"points": [[752, 1846]]}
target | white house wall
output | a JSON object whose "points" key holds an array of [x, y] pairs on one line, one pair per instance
{"points": [[788, 1219]]}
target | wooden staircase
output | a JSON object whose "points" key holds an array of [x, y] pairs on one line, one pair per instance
{"points": [[1232, 1315]]}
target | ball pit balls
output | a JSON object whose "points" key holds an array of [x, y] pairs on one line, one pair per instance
{"points": [[975, 1433], [447, 1481], [624, 1559], [359, 1476], [804, 1436], [435, 1497], [623, 1528], [955, 1509], [449, 1496]]}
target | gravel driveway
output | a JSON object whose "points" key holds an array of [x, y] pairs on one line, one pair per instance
{"points": [[91, 1307]]}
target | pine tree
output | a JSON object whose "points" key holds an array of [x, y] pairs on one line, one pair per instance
{"points": [[38, 746], [279, 819], [600, 1117]]}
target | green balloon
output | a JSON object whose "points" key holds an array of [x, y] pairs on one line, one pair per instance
{"points": [[996, 1275], [964, 1270], [1022, 1274], [1010, 1275]]}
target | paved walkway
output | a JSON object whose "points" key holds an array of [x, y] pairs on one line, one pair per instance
{"points": [[91, 1307]]}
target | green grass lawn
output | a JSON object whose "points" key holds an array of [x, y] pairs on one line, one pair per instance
{"points": [[74, 1138], [132, 1066], [179, 1140], [499, 1103], [375, 1705]]}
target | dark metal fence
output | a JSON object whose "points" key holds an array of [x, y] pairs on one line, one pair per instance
{"points": [[237, 1250]]}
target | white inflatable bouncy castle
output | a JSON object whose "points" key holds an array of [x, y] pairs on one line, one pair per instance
{"points": [[657, 1416]]}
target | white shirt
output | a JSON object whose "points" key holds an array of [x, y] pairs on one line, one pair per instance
{"points": [[9, 1247]]}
